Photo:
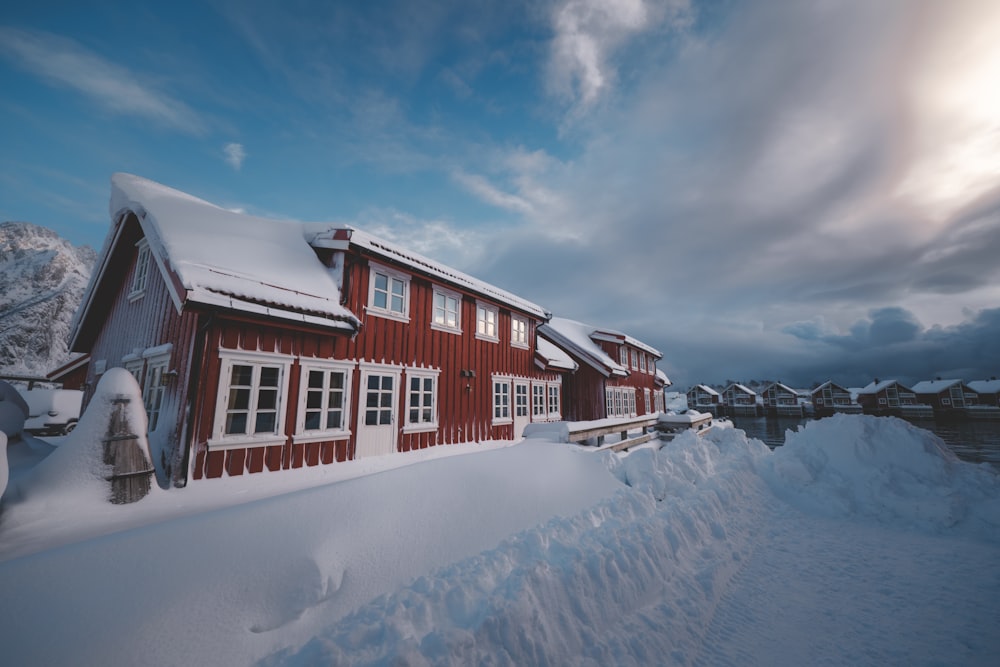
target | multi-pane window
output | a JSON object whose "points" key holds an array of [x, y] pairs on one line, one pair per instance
{"points": [[635, 360], [447, 309], [253, 389], [520, 399], [518, 331], [538, 400], [388, 293], [501, 400], [254, 395], [648, 400], [642, 362], [323, 399], [623, 356], [553, 400], [609, 402], [421, 402], [486, 321], [152, 393], [141, 269], [378, 402]]}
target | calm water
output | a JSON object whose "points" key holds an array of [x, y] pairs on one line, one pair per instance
{"points": [[975, 441]]}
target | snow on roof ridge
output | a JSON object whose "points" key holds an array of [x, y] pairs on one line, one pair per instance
{"points": [[266, 260], [417, 260]]}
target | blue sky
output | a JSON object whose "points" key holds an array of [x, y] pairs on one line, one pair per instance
{"points": [[795, 190]]}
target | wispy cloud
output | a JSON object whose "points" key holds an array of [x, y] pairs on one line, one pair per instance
{"points": [[68, 64], [489, 193], [587, 33], [235, 154]]}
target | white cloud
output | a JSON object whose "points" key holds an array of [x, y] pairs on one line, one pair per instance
{"points": [[489, 193], [66, 63], [234, 155], [587, 32]]}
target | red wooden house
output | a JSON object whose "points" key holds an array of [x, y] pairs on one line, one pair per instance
{"points": [[739, 400], [781, 399], [889, 397], [988, 391], [702, 397], [262, 344], [830, 397], [945, 395], [616, 374]]}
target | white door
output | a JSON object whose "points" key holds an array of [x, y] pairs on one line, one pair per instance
{"points": [[522, 416], [377, 421]]}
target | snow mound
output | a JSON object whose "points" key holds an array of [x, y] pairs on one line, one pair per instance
{"points": [[75, 472], [885, 469]]}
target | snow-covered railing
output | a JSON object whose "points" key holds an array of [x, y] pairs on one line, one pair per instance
{"points": [[582, 432]]}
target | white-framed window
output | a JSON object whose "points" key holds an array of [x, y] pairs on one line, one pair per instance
{"points": [[623, 356], [518, 331], [631, 403], [501, 401], [447, 311], [487, 319], [554, 406], [649, 401], [658, 400], [642, 362], [619, 402], [134, 364], [324, 400], [141, 275], [635, 360], [609, 402], [651, 366], [421, 400], [157, 365], [538, 401], [251, 406], [389, 293], [521, 399]]}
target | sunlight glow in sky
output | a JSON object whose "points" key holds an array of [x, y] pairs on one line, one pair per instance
{"points": [[753, 188]]}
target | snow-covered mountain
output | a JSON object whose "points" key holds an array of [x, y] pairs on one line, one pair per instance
{"points": [[42, 280]]}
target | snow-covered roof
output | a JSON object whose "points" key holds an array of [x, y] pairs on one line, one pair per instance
{"points": [[662, 377], [739, 387], [984, 386], [225, 258], [322, 235], [705, 388], [876, 387], [779, 385], [828, 383], [553, 356], [575, 337], [619, 337], [934, 386]]}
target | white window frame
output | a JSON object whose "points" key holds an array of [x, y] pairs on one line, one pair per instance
{"points": [[642, 362], [154, 384], [445, 295], [325, 366], [623, 356], [502, 412], [483, 322], [554, 400], [609, 401], [649, 401], [140, 277], [391, 275], [135, 365], [538, 401], [421, 374], [635, 360], [518, 331], [256, 360]]}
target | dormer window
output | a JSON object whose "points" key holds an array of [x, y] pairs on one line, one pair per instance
{"points": [[141, 274]]}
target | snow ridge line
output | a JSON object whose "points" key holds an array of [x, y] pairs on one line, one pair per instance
{"points": [[612, 585]]}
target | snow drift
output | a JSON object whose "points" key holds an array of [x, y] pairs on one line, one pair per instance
{"points": [[541, 553]]}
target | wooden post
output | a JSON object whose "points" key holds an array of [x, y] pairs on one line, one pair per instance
{"points": [[131, 470]]}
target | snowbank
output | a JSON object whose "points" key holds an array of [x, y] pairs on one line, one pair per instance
{"points": [[884, 469], [540, 553], [13, 410]]}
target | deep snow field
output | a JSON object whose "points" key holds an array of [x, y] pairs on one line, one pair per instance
{"points": [[862, 541]]}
